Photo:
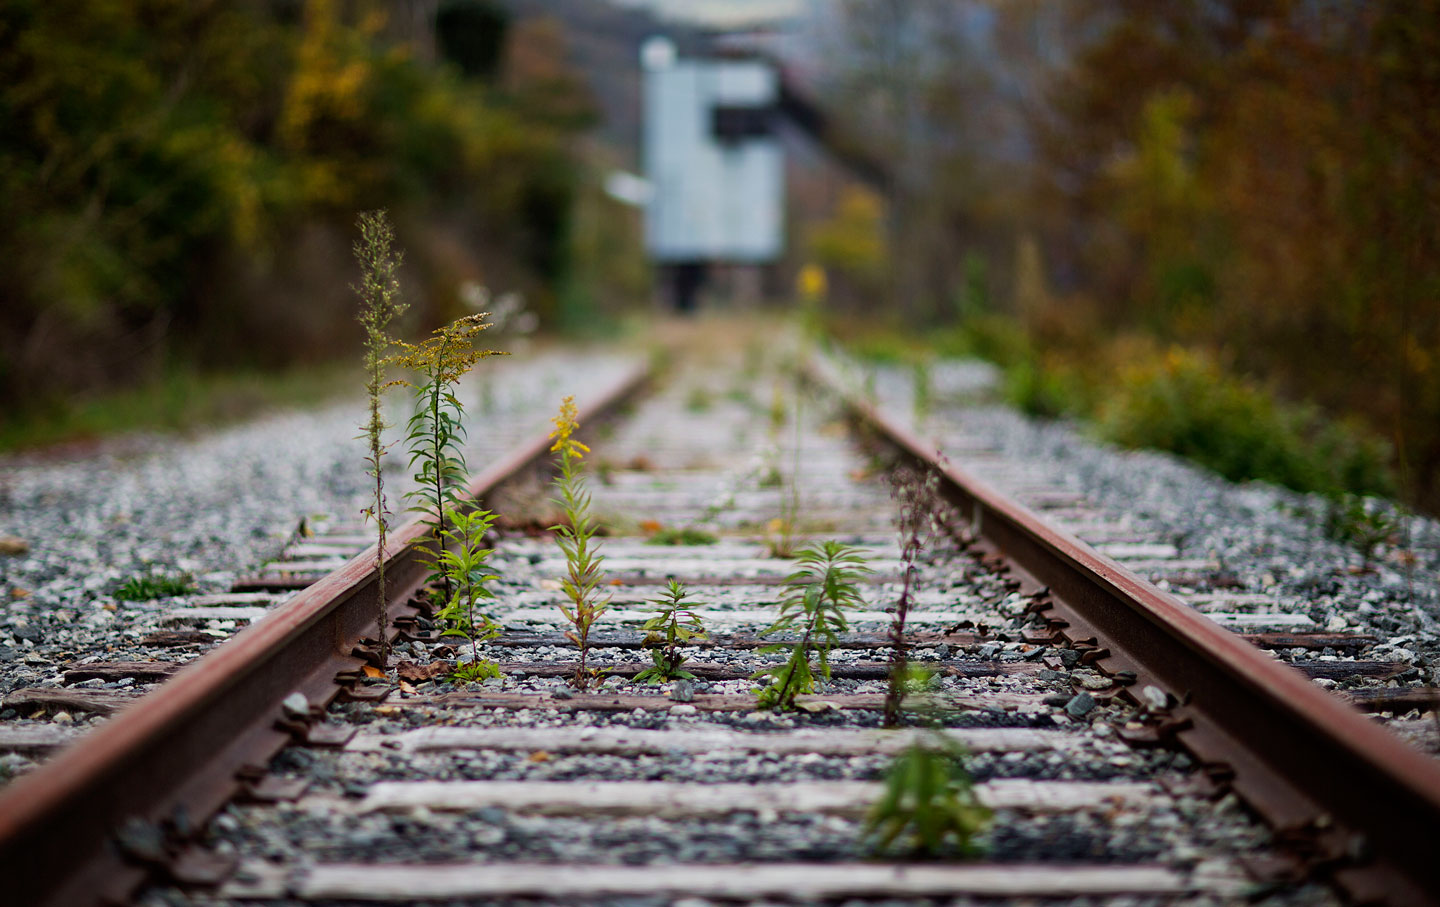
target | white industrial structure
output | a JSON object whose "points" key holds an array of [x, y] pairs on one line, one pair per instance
{"points": [[713, 163]]}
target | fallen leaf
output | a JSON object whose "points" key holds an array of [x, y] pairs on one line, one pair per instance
{"points": [[10, 544], [373, 672], [651, 525], [387, 711], [418, 673], [539, 756], [406, 688], [617, 582]]}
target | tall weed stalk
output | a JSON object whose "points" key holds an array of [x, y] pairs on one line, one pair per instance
{"points": [[380, 303], [437, 430], [915, 494]]}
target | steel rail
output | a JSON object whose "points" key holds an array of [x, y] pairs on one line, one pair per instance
{"points": [[1362, 805], [87, 826]]}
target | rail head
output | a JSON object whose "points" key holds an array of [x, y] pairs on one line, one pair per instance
{"points": [[1309, 763], [181, 746]]}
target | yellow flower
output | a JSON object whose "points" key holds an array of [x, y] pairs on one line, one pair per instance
{"points": [[812, 282], [565, 426]]}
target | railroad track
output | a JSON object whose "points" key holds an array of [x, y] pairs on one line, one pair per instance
{"points": [[524, 789]]}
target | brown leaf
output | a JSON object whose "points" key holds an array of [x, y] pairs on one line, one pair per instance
{"points": [[539, 756], [373, 672], [418, 673], [13, 545]]}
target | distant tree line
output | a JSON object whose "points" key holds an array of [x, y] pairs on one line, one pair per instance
{"points": [[180, 179], [1256, 182]]}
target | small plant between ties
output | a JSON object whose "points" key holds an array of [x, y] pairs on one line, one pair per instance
{"points": [[436, 429], [814, 605], [929, 806], [674, 625], [149, 586], [380, 303], [576, 537], [465, 563]]}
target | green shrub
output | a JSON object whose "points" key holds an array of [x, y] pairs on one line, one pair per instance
{"points": [[1186, 404]]}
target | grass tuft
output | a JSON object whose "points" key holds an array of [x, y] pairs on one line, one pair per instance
{"points": [[150, 586]]}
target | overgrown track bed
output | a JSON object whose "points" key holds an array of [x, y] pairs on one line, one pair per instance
{"points": [[524, 790], [1348, 795], [415, 788]]}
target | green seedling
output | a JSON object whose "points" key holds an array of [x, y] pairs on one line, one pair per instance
{"points": [[465, 562], [379, 293], [475, 672], [576, 536], [150, 586], [929, 806], [436, 430], [813, 607], [674, 625], [689, 535]]}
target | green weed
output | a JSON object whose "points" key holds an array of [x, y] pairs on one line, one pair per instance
{"points": [[576, 537], [465, 562], [379, 293], [436, 429], [688, 535], [929, 806], [150, 586], [674, 625], [813, 607]]}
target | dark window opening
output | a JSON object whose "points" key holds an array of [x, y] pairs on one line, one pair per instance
{"points": [[735, 124]]}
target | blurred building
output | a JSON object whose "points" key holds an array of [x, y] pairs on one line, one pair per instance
{"points": [[714, 167]]}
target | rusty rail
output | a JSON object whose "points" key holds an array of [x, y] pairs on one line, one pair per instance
{"points": [[87, 827], [1356, 801]]}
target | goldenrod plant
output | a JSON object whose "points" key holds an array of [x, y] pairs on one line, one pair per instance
{"points": [[436, 430], [576, 536], [673, 626], [465, 563], [929, 806], [380, 303], [817, 595]]}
